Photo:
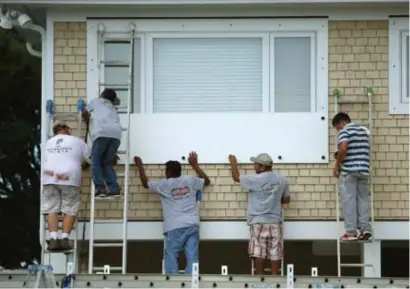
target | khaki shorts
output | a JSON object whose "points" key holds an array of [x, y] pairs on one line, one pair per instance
{"points": [[266, 241], [57, 199]]}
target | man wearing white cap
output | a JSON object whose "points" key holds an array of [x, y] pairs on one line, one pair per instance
{"points": [[63, 156], [267, 192]]}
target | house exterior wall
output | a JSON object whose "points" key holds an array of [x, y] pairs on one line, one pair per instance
{"points": [[358, 57]]}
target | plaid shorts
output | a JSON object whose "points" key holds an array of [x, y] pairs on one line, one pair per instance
{"points": [[57, 199], [266, 241]]}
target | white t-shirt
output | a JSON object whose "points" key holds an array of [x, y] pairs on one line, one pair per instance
{"points": [[63, 156]]}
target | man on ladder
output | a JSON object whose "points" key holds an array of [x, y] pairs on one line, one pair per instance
{"points": [[267, 192], [106, 135], [64, 155], [352, 168], [181, 216]]}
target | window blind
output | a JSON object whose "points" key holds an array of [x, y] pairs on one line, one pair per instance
{"points": [[207, 75]]}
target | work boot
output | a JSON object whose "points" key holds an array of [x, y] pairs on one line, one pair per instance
{"points": [[66, 244], [53, 245]]}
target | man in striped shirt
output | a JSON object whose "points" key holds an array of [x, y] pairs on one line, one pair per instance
{"points": [[352, 168]]}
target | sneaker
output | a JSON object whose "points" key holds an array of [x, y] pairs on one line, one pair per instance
{"points": [[66, 244], [348, 237], [100, 194], [53, 245], [365, 236], [113, 195]]}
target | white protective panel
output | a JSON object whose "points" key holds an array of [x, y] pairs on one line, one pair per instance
{"points": [[207, 75], [288, 138]]}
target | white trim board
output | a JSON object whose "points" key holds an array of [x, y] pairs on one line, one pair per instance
{"points": [[80, 14], [236, 230]]}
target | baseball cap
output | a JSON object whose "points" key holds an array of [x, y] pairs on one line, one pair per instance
{"points": [[264, 159]]}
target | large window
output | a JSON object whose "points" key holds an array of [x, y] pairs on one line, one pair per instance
{"points": [[399, 66], [201, 84], [217, 72]]}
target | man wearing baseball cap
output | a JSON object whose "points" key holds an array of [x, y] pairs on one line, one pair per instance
{"points": [[267, 192], [63, 156]]}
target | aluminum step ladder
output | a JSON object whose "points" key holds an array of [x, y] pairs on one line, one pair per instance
{"points": [[40, 276], [282, 263], [124, 154], [336, 95], [71, 255]]}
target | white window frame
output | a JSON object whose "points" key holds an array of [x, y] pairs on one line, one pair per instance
{"points": [[398, 78], [267, 29]]}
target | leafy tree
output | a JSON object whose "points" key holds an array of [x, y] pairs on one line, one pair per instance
{"points": [[20, 118]]}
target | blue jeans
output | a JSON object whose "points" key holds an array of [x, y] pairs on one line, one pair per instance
{"points": [[104, 151], [176, 240]]}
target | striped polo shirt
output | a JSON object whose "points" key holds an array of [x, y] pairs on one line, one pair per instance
{"points": [[358, 150]]}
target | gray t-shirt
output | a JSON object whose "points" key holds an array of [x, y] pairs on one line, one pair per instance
{"points": [[178, 198], [265, 193], [105, 121]]}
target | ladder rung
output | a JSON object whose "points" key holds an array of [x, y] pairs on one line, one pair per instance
{"points": [[67, 252], [108, 244], [108, 221], [112, 268], [121, 152], [124, 85], [122, 107], [355, 241], [58, 115], [104, 199], [124, 128], [356, 265], [116, 63]]}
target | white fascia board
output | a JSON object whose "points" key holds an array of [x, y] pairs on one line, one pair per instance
{"points": [[238, 230]]}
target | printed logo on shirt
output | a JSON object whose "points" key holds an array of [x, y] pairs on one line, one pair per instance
{"points": [[180, 192], [59, 148], [270, 188]]}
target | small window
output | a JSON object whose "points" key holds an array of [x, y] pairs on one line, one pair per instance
{"points": [[117, 70], [292, 74], [399, 66]]}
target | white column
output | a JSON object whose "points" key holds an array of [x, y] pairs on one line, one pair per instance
{"points": [[372, 255]]}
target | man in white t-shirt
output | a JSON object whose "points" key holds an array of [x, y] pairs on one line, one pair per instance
{"points": [[267, 192], [106, 135], [181, 217], [63, 156]]}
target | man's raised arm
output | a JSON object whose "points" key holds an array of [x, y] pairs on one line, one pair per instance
{"points": [[234, 168], [143, 176], [193, 161]]}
